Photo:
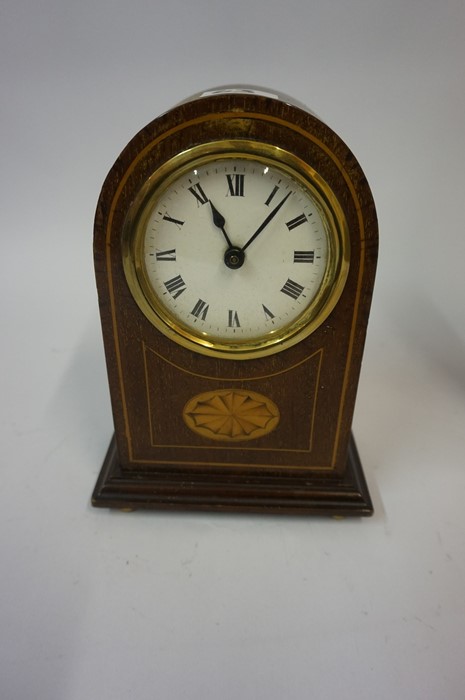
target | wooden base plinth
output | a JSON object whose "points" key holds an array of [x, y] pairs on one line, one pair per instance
{"points": [[132, 490]]}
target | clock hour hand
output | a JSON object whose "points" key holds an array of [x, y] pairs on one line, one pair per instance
{"points": [[220, 222], [265, 223]]}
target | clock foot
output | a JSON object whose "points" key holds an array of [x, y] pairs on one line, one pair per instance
{"points": [[336, 495]]}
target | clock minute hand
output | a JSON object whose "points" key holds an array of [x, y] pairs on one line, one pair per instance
{"points": [[265, 223], [220, 222]]}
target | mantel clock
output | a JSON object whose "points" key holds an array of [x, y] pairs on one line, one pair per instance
{"points": [[235, 249]]}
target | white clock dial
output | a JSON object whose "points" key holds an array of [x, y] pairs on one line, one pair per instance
{"points": [[235, 249]]}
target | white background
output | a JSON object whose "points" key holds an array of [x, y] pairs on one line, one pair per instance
{"points": [[107, 605]]}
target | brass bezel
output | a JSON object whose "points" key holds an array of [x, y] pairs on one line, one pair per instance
{"points": [[279, 339]]}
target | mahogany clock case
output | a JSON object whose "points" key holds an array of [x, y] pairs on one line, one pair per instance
{"points": [[308, 462]]}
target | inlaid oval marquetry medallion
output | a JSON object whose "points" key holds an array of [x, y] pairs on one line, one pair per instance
{"points": [[231, 415]]}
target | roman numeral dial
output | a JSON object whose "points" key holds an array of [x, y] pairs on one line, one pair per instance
{"points": [[199, 194], [166, 255], [292, 289], [236, 184], [200, 310], [175, 286], [304, 256], [234, 250], [297, 221]]}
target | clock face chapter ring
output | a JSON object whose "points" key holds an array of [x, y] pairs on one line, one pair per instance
{"points": [[236, 249]]}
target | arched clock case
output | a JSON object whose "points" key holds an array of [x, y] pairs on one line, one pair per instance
{"points": [[235, 248]]}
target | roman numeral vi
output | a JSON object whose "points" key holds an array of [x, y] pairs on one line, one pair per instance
{"points": [[233, 319]]}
